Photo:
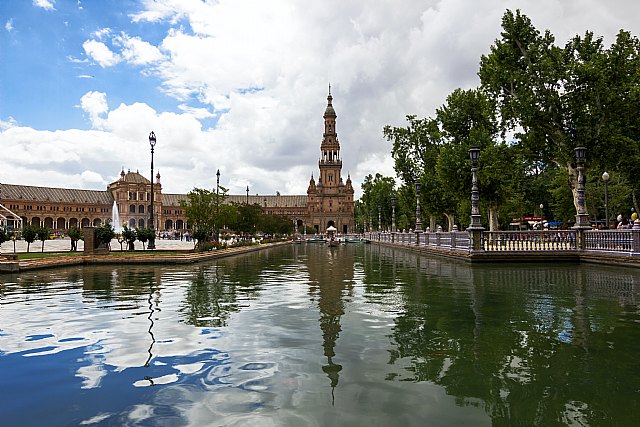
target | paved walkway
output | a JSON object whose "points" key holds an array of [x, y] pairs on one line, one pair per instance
{"points": [[61, 245]]}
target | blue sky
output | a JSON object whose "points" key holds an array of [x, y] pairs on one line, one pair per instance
{"points": [[240, 85], [45, 68]]}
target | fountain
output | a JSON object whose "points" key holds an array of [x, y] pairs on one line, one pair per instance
{"points": [[115, 219]]}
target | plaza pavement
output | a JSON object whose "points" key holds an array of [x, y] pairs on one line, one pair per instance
{"points": [[61, 245]]}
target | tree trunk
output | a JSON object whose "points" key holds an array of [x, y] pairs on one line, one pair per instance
{"points": [[493, 217], [432, 222], [450, 219]]}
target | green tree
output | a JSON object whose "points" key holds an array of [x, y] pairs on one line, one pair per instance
{"points": [[43, 234], [144, 235], [200, 209], [29, 234], [74, 234], [555, 98], [130, 236], [248, 217], [104, 234]]}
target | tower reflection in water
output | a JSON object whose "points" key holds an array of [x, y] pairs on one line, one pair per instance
{"points": [[330, 281]]}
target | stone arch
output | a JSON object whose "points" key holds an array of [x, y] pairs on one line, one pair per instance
{"points": [[141, 209], [141, 223], [61, 224], [168, 225], [179, 225], [132, 223], [85, 222], [73, 222], [132, 208], [48, 222], [35, 221], [97, 222]]}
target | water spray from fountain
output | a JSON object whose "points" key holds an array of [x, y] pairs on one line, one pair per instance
{"points": [[115, 219]]}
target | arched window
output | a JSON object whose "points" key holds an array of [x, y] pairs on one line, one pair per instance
{"points": [[132, 223], [132, 209], [141, 209], [141, 223]]}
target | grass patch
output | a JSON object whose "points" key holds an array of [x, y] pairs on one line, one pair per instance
{"points": [[25, 256]]}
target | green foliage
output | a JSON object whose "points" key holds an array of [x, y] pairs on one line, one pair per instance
{"points": [[536, 103], [43, 234], [376, 193], [104, 234], [29, 234], [4, 235], [130, 236], [74, 233], [144, 235]]}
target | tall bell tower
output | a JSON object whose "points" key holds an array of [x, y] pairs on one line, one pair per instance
{"points": [[330, 162], [330, 202]]}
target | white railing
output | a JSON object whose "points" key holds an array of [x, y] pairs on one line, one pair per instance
{"points": [[611, 241], [548, 240]]}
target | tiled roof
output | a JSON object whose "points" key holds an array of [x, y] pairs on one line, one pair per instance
{"points": [[48, 194], [67, 195], [272, 201], [172, 199]]}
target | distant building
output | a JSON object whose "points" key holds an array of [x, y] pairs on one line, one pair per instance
{"points": [[329, 202]]}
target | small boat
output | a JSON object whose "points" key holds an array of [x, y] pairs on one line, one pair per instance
{"points": [[334, 242], [351, 240]]}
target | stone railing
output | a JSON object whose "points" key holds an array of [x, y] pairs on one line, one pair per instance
{"points": [[612, 240], [458, 240], [561, 240], [592, 241]]}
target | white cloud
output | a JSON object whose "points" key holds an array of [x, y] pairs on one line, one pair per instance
{"points": [[251, 77], [9, 25], [102, 32], [95, 104], [100, 53], [44, 4], [138, 52]]}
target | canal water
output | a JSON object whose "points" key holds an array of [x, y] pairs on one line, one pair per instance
{"points": [[312, 335]]}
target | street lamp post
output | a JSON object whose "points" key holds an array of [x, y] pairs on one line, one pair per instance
{"points": [[582, 217], [152, 238], [475, 228], [418, 214], [474, 155], [217, 205], [379, 218], [370, 220], [605, 178], [393, 214], [247, 194]]}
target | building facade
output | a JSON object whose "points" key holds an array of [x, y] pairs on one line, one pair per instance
{"points": [[327, 203]]}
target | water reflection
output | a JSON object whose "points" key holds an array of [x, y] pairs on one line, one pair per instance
{"points": [[272, 337], [331, 283], [527, 343]]}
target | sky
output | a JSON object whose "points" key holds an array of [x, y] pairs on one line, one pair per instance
{"points": [[240, 86]]}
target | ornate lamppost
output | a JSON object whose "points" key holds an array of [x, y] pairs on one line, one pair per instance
{"points": [[393, 214], [475, 228], [418, 214], [370, 220], [582, 217], [152, 238], [474, 155], [605, 178], [379, 218], [217, 204], [247, 194]]}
